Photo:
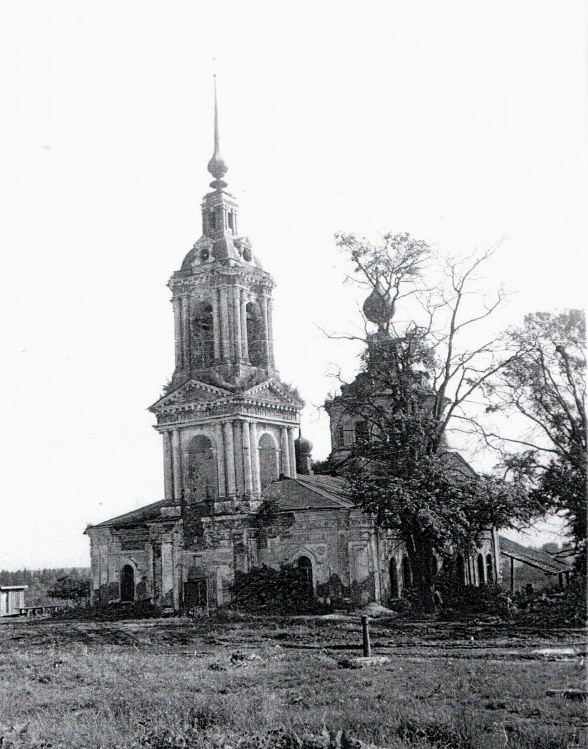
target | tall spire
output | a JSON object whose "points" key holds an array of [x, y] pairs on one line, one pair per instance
{"points": [[217, 166]]}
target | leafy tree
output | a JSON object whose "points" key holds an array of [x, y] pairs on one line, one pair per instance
{"points": [[71, 588], [417, 381], [545, 382]]}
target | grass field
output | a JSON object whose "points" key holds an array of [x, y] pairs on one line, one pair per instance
{"points": [[195, 683]]}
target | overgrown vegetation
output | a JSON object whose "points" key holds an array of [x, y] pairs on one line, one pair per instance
{"points": [[417, 382], [265, 589], [545, 382]]}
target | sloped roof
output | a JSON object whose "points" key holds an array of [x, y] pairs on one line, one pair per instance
{"points": [[533, 557], [136, 517], [308, 493]]}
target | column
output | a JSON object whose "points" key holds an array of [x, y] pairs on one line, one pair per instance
{"points": [[254, 457], [220, 461], [177, 465], [229, 457], [168, 475], [216, 332], [244, 342], [247, 459], [178, 332], [270, 334], [235, 294], [238, 455], [224, 321], [292, 451], [285, 467], [167, 571], [186, 331], [264, 314]]}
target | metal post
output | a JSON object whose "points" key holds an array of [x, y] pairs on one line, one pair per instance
{"points": [[367, 648]]}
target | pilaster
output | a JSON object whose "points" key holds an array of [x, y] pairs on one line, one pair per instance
{"points": [[254, 451], [168, 478], [220, 460], [186, 332], [177, 305], [177, 465], [291, 451], [247, 469], [216, 328], [229, 451], [285, 450], [244, 342]]}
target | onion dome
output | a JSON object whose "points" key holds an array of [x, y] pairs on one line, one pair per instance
{"points": [[378, 307], [303, 446]]}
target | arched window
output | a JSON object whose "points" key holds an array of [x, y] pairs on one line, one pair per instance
{"points": [[406, 572], [460, 570], [202, 472], [489, 569], [202, 336], [362, 431], [255, 336], [127, 583], [340, 437], [305, 566], [393, 578], [268, 460], [481, 577]]}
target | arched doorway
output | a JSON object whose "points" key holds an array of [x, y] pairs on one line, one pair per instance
{"points": [[460, 570], [305, 566], [202, 471], [489, 569], [406, 573], [394, 592], [127, 583], [268, 460], [481, 576]]}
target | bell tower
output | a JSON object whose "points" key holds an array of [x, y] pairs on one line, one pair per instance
{"points": [[228, 422]]}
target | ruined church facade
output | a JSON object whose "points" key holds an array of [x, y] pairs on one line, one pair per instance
{"points": [[230, 440]]}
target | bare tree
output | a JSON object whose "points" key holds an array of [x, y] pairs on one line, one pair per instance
{"points": [[418, 380]]}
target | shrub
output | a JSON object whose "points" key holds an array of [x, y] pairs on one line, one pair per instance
{"points": [[267, 589]]}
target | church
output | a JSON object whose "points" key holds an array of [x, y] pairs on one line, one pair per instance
{"points": [[230, 430]]}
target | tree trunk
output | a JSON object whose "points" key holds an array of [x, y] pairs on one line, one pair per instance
{"points": [[420, 554]]}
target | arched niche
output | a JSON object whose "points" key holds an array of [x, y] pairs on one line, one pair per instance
{"points": [[489, 568], [127, 583], [268, 460], [255, 335], [394, 590], [202, 335], [202, 470]]}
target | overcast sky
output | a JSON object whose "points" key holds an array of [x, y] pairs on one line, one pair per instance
{"points": [[463, 123]]}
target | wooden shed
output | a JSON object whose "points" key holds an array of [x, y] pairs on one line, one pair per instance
{"points": [[12, 599]]}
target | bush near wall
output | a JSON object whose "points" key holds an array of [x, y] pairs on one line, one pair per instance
{"points": [[266, 589]]}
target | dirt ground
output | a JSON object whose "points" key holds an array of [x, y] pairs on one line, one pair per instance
{"points": [[141, 683]]}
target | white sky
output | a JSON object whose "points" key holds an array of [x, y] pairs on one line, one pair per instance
{"points": [[459, 122]]}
